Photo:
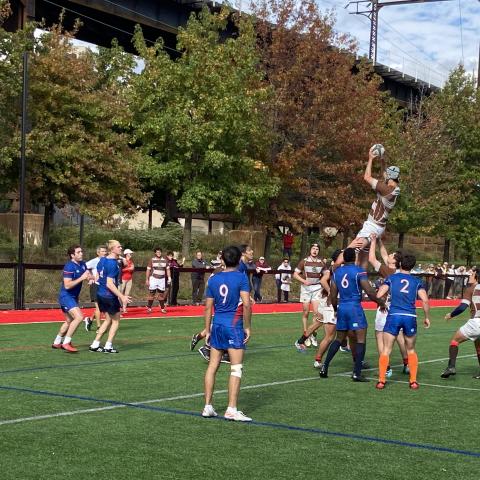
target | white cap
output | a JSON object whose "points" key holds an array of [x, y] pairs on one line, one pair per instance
{"points": [[393, 172], [127, 250]]}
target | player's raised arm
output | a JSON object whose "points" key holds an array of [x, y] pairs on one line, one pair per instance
{"points": [[371, 292], [325, 281], [372, 258], [422, 294], [367, 176]]}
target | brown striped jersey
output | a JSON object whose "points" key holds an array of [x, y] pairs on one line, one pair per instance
{"points": [[382, 206], [472, 298], [158, 267], [311, 269]]}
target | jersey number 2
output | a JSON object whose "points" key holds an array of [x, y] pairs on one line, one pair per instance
{"points": [[405, 283]]}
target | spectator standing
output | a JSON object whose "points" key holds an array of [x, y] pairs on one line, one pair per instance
{"points": [[198, 278], [261, 266], [449, 279], [127, 275], [174, 265], [283, 280], [288, 239], [437, 282], [429, 273]]}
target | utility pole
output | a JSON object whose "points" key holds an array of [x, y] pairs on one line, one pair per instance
{"points": [[370, 9]]}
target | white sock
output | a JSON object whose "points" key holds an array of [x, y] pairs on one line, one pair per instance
{"points": [[58, 339], [232, 409], [108, 345], [95, 344], [208, 405], [67, 340]]}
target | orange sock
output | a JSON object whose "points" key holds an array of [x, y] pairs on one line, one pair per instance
{"points": [[413, 366], [383, 362]]}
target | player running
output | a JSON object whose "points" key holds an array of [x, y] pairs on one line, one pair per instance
{"points": [[348, 282], [402, 315], [228, 293], [309, 274], [74, 273], [387, 193], [389, 267], [471, 329]]}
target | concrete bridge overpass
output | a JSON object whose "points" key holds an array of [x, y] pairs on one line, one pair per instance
{"points": [[106, 19]]}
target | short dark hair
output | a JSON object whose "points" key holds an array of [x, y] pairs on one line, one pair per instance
{"points": [[169, 253], [156, 248], [349, 254], [398, 256], [336, 253], [231, 256], [71, 250], [408, 262], [243, 247]]}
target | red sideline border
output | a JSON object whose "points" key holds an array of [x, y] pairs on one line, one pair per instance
{"points": [[14, 317]]}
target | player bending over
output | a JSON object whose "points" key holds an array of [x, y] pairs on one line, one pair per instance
{"points": [[348, 282], [387, 191], [471, 329], [402, 315], [228, 293]]}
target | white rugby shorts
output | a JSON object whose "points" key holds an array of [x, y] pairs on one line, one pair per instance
{"points": [[327, 312], [380, 320], [310, 293], [471, 329], [369, 228], [156, 284]]}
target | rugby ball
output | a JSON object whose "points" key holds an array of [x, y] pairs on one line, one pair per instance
{"points": [[378, 150]]}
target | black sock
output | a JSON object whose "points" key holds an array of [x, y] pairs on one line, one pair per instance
{"points": [[150, 303], [332, 350], [359, 356], [302, 339], [452, 354]]}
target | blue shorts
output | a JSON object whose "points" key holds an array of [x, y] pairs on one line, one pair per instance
{"points": [[350, 316], [110, 305], [395, 323], [223, 337], [67, 303]]}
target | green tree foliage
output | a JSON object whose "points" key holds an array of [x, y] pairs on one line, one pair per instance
{"points": [[197, 119], [325, 114]]}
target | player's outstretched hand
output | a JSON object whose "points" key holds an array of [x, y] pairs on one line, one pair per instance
{"points": [[372, 153], [358, 242], [426, 323], [448, 317], [247, 335]]}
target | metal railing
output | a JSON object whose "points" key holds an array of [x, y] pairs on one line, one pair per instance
{"points": [[42, 283]]}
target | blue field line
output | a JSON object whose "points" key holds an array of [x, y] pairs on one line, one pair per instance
{"points": [[278, 426], [126, 360]]}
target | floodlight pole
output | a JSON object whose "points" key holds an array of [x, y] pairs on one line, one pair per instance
{"points": [[370, 10], [20, 290]]}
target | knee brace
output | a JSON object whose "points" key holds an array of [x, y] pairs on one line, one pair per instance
{"points": [[236, 370]]}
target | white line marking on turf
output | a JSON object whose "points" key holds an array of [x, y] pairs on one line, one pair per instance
{"points": [[219, 392]]}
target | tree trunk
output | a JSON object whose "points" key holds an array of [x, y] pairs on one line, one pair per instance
{"points": [[187, 235], [150, 215], [46, 227], [268, 244], [303, 245], [446, 250], [401, 238]]}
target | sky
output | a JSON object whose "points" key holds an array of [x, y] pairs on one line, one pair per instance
{"points": [[420, 39]]}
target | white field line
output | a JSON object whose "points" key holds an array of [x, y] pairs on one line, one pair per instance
{"points": [[217, 392]]}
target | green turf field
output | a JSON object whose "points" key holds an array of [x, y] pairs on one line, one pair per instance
{"points": [[137, 414]]}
